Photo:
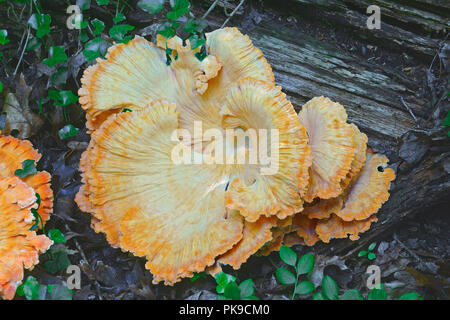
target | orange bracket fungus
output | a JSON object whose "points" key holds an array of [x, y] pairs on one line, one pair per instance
{"points": [[19, 245], [212, 164]]}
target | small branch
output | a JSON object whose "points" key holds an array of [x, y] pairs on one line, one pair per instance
{"points": [[415, 256], [409, 110], [232, 13], [23, 51], [211, 8]]}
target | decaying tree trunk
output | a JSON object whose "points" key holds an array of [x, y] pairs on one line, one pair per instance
{"points": [[380, 100]]}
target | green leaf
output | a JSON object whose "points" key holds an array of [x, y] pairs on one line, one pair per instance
{"points": [[246, 288], [151, 6], [202, 54], [84, 4], [119, 31], [33, 44], [119, 17], [58, 259], [62, 98], [194, 25], [40, 23], [68, 131], [1, 87], [195, 41], [288, 256], [59, 292], [410, 296], [222, 280], [372, 246], [284, 276], [197, 275], [4, 36], [28, 169], [446, 122], [377, 294], [95, 48], [180, 8], [251, 298], [126, 110], [318, 296], [56, 55], [98, 25], [32, 290], [362, 253], [232, 291], [329, 288], [305, 264], [60, 76], [102, 2], [304, 287], [352, 294], [57, 236], [371, 256]]}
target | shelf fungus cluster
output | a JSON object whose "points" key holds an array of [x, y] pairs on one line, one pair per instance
{"points": [[20, 246], [200, 161]]}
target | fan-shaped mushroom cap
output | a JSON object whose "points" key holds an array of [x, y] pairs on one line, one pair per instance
{"points": [[331, 142], [181, 233], [137, 72], [335, 227], [323, 208], [19, 247], [370, 189], [360, 143], [255, 105], [13, 152], [255, 235], [306, 228]]}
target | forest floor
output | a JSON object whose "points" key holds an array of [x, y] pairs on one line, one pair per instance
{"points": [[413, 256]]}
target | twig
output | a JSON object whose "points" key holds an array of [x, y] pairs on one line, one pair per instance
{"points": [[410, 111], [406, 248], [23, 51], [211, 8], [232, 13]]}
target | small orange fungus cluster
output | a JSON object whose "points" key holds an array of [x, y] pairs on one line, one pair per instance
{"points": [[194, 216], [19, 245]]}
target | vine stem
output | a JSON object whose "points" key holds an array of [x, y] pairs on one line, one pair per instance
{"points": [[296, 283]]}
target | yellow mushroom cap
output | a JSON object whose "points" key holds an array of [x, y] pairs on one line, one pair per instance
{"points": [[331, 142], [335, 227], [369, 190], [19, 247], [13, 152]]}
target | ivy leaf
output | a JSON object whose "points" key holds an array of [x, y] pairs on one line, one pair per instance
{"points": [[57, 236], [84, 4], [195, 41], [372, 246], [102, 2], [28, 169], [4, 36], [377, 294], [232, 291], [371, 256], [180, 8], [329, 288], [68, 131], [446, 122], [352, 294], [95, 48], [222, 280], [62, 98], [284, 276], [58, 259], [196, 275], [362, 253], [194, 25], [410, 296], [119, 31], [1, 88], [40, 23], [60, 76], [59, 292], [98, 25], [304, 287], [32, 290], [288, 255], [56, 55], [305, 264], [119, 17], [151, 6], [202, 54], [246, 288]]}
